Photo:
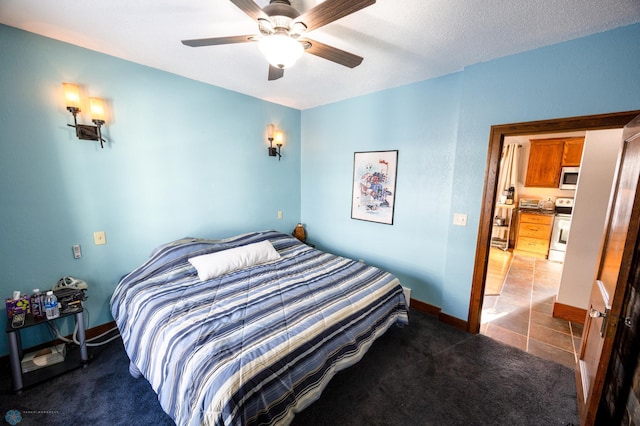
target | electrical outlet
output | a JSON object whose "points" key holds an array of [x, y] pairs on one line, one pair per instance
{"points": [[99, 238], [460, 219], [77, 253]]}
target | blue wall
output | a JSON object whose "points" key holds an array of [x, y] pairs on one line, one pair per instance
{"points": [[183, 159], [186, 158], [419, 121], [441, 129]]}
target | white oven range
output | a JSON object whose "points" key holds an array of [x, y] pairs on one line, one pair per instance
{"points": [[560, 231]]}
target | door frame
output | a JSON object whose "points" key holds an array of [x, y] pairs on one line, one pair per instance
{"points": [[496, 141]]}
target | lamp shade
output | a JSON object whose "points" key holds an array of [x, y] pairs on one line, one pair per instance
{"points": [[280, 50], [279, 137], [270, 129], [96, 105], [71, 95]]}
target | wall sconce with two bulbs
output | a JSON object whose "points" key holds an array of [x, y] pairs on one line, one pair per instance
{"points": [[96, 107], [277, 135]]}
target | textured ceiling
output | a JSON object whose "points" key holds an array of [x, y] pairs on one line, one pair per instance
{"points": [[401, 41]]}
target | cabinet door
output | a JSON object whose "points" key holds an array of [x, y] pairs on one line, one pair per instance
{"points": [[542, 219], [572, 152], [533, 230], [545, 158], [533, 245]]}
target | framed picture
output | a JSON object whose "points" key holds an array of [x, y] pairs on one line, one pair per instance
{"points": [[374, 186]]}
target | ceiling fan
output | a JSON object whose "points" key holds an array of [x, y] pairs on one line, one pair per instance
{"points": [[281, 32]]}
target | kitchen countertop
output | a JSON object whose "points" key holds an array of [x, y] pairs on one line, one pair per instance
{"points": [[538, 211]]}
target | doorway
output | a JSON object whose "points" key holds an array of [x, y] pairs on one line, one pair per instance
{"points": [[521, 286], [496, 141]]}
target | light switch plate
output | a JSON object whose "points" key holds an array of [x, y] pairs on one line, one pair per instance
{"points": [[99, 238], [460, 219]]}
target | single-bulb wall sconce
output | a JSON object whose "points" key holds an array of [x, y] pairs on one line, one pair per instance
{"points": [[96, 107], [272, 134]]}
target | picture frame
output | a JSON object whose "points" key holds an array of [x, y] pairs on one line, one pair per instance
{"points": [[374, 186]]}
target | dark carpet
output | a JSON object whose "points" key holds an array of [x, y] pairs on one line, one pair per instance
{"points": [[425, 374]]}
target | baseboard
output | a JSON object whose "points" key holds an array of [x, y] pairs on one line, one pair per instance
{"points": [[454, 322], [425, 308], [90, 333], [99, 329], [429, 309], [569, 313]]}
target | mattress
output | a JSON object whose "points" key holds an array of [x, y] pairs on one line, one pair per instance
{"points": [[256, 345]]}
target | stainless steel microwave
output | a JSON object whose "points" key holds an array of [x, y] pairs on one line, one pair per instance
{"points": [[569, 177]]}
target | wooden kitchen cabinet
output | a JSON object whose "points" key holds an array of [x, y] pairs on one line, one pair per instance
{"points": [[572, 154], [548, 156], [534, 234], [545, 159]]}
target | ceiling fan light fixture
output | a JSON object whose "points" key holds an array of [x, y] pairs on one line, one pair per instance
{"points": [[265, 26], [280, 50], [281, 28], [280, 8]]}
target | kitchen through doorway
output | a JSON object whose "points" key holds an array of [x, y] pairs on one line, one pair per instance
{"points": [[497, 135], [526, 256]]}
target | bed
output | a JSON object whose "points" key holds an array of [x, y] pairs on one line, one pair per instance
{"points": [[240, 340]]}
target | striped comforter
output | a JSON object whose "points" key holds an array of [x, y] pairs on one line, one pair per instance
{"points": [[253, 346]]}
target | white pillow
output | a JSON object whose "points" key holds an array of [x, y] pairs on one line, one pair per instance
{"points": [[215, 264]]}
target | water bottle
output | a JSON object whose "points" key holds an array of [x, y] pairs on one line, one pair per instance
{"points": [[51, 305], [37, 310]]}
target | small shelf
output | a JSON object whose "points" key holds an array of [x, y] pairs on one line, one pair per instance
{"points": [[72, 361], [500, 234], [505, 206], [76, 357]]}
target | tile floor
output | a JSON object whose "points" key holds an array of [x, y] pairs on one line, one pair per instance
{"points": [[521, 315]]}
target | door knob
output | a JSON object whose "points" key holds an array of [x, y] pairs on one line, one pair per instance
{"points": [[594, 313]]}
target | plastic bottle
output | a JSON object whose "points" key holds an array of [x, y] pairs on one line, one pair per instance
{"points": [[51, 305], [37, 308]]}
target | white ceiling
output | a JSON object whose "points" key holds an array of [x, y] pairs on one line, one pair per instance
{"points": [[401, 41]]}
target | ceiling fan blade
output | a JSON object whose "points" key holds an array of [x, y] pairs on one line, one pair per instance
{"points": [[250, 8], [275, 72], [217, 40], [332, 53], [331, 10]]}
